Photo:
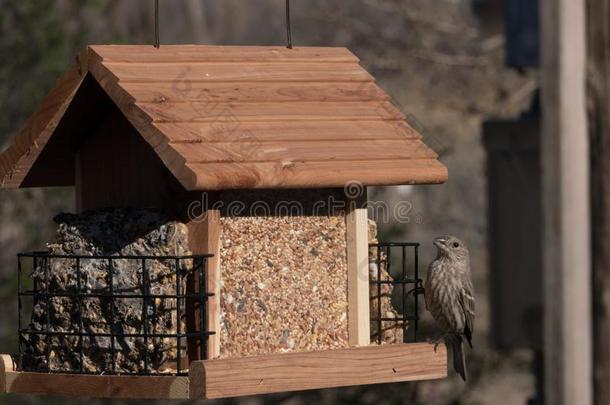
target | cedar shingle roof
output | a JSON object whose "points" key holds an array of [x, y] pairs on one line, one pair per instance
{"points": [[242, 117]]}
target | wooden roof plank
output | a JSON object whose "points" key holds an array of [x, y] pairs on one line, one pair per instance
{"points": [[270, 111], [203, 53], [186, 73], [253, 92], [194, 132], [337, 151], [218, 176]]}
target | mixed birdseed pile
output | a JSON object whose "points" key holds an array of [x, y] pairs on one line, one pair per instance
{"points": [[117, 232], [284, 285]]}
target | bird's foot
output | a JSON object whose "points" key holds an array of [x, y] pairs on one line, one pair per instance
{"points": [[417, 291], [437, 342]]}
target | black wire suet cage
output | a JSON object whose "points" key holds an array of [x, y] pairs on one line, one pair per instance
{"points": [[395, 265], [44, 334]]}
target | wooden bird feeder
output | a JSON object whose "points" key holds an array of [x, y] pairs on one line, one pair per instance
{"points": [[198, 131]]}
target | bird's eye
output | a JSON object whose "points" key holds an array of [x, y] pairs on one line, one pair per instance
{"points": [[456, 245]]}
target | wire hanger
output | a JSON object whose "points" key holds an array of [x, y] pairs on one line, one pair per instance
{"points": [[157, 36], [288, 25]]}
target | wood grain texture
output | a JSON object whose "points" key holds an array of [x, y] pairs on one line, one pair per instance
{"points": [[204, 53], [213, 281], [204, 238], [277, 118], [337, 151], [184, 74], [315, 370], [357, 234], [90, 386], [270, 111], [288, 174], [124, 101], [6, 366], [287, 131], [253, 92]]}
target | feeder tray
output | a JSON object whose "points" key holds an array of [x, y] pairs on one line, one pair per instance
{"points": [[214, 379]]}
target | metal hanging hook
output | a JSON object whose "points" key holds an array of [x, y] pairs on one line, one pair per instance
{"points": [[157, 35], [288, 25]]}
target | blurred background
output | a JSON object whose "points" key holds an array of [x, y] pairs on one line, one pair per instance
{"points": [[464, 71]]}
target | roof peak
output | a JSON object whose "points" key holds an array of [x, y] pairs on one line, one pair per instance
{"points": [[219, 53]]}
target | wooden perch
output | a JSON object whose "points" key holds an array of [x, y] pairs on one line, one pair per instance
{"points": [[315, 370]]}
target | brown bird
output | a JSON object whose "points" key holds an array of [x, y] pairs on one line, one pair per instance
{"points": [[450, 297]]}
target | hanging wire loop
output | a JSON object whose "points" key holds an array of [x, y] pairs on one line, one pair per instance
{"points": [[157, 35], [288, 25]]}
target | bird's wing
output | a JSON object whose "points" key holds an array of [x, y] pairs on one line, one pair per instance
{"points": [[467, 303], [432, 270]]}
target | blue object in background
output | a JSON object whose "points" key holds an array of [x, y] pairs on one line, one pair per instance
{"points": [[522, 33]]}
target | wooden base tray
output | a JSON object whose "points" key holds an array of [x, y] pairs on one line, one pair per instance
{"points": [[225, 378]]}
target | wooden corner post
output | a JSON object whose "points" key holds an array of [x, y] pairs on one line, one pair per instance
{"points": [[359, 322], [213, 283], [205, 239]]}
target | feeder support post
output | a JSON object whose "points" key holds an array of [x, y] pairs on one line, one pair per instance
{"points": [[359, 318], [204, 236]]}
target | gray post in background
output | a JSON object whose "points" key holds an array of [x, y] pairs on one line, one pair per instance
{"points": [[598, 74], [566, 205]]}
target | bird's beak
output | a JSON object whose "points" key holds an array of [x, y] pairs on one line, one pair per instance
{"points": [[440, 243]]}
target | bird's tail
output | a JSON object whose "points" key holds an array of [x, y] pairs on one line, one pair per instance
{"points": [[459, 360]]}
